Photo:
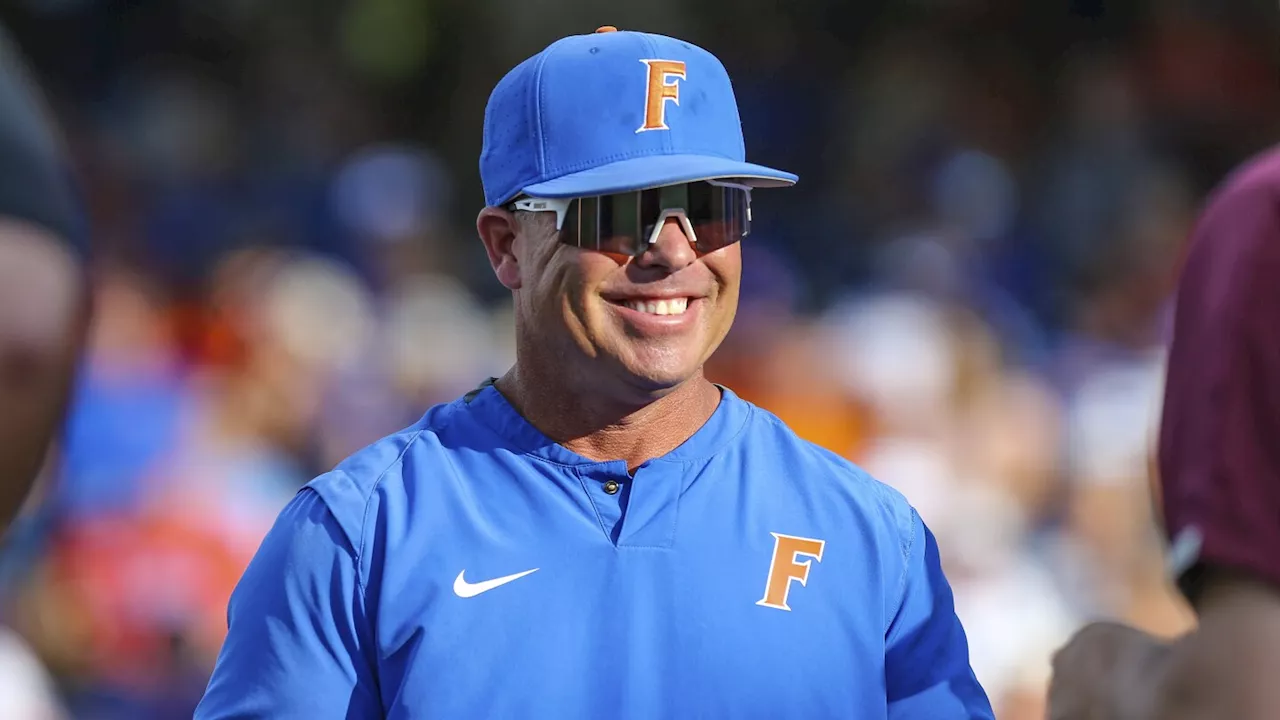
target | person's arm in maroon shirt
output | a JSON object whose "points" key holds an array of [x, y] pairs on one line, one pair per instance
{"points": [[1220, 488]]}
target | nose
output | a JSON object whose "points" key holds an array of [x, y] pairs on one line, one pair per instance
{"points": [[672, 250]]}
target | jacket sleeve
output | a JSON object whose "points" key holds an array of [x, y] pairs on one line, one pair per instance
{"points": [[298, 642], [927, 671]]}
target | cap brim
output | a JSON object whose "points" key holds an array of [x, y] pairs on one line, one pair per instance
{"points": [[655, 171]]}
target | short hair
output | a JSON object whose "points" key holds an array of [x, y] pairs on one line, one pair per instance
{"points": [[532, 218]]}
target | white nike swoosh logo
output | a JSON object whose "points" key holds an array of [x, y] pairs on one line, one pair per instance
{"points": [[464, 589]]}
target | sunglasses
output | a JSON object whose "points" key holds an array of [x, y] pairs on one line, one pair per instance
{"points": [[714, 214]]}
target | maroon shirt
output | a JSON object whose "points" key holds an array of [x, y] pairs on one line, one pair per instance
{"points": [[1220, 435]]}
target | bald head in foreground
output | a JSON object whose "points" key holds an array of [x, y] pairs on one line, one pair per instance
{"points": [[43, 298]]}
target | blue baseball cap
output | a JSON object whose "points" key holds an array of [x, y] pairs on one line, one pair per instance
{"points": [[611, 112]]}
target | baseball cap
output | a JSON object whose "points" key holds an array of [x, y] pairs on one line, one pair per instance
{"points": [[614, 111]]}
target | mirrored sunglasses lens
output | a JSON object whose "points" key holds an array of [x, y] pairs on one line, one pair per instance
{"points": [[718, 215], [622, 223]]}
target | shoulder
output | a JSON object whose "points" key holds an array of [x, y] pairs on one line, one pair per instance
{"points": [[355, 488], [1260, 173], [1226, 289], [1241, 211], [1227, 297], [831, 477], [834, 467]]}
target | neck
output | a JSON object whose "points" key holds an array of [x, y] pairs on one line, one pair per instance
{"points": [[602, 428]]}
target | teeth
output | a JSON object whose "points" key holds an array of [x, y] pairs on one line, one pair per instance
{"points": [[674, 306]]}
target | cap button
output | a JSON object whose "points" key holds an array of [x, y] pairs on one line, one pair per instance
{"points": [[606, 28]]}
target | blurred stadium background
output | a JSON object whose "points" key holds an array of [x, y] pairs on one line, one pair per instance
{"points": [[968, 292]]}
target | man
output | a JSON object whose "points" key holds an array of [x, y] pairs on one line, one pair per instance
{"points": [[1219, 466], [43, 297], [602, 532]]}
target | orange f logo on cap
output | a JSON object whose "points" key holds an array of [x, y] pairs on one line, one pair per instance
{"points": [[661, 87]]}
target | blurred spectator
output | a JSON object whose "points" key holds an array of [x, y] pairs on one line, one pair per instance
{"points": [[131, 396], [148, 576]]}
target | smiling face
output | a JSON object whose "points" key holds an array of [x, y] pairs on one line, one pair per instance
{"points": [[648, 322]]}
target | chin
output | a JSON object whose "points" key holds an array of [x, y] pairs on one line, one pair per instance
{"points": [[660, 373], [661, 383]]}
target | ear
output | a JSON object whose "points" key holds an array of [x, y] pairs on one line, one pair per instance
{"points": [[497, 229]]}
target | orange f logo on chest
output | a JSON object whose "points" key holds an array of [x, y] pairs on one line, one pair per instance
{"points": [[661, 87], [787, 566]]}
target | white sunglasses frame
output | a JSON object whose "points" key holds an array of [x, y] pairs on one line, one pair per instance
{"points": [[560, 206]]}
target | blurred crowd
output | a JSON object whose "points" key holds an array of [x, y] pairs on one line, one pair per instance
{"points": [[968, 292]]}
